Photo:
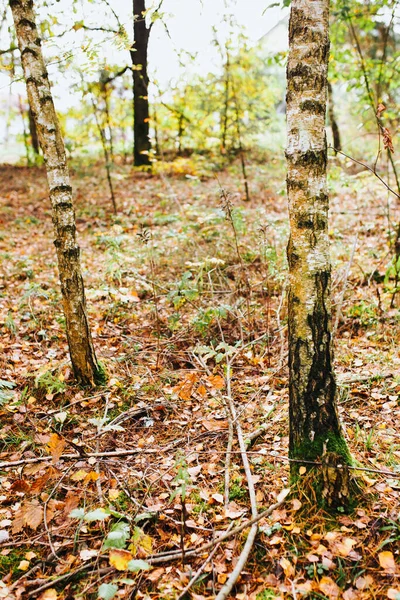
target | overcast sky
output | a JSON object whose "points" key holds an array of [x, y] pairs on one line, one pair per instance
{"points": [[190, 25]]}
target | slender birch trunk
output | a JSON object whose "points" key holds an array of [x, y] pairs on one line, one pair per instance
{"points": [[81, 349], [315, 431]]}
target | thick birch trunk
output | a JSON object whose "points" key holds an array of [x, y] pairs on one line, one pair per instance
{"points": [[81, 349], [314, 423]]}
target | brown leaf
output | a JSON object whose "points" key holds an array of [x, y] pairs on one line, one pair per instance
{"points": [[18, 522], [40, 482], [155, 575], [214, 424], [387, 139], [33, 514], [71, 501], [56, 446], [201, 390], [52, 507], [20, 485], [380, 109]]}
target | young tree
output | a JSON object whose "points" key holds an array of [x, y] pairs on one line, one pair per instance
{"points": [[315, 431], [83, 358], [140, 84]]}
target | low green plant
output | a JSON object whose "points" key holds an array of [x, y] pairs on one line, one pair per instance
{"points": [[7, 392], [49, 382], [267, 594]]}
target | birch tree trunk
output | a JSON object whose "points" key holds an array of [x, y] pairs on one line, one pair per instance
{"points": [[315, 431], [81, 349]]}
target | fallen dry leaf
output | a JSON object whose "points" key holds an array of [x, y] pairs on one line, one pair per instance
{"points": [[216, 381], [119, 559], [386, 561], [50, 594], [328, 587], [287, 567], [56, 446]]}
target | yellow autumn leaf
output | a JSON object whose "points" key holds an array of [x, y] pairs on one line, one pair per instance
{"points": [[119, 559], [113, 494], [50, 594], [91, 476], [302, 470], [79, 475], [23, 565], [386, 561], [287, 567], [328, 587]]}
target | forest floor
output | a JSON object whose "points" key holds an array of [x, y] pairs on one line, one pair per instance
{"points": [[180, 284]]}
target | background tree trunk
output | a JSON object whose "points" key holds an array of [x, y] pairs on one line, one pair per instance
{"points": [[332, 118], [81, 349], [140, 85], [314, 423], [33, 134]]}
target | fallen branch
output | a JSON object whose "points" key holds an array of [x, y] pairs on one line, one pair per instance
{"points": [[116, 453], [58, 580], [244, 555]]}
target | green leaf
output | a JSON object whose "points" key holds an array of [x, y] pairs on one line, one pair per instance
{"points": [[107, 591], [118, 536], [99, 514], [145, 516], [77, 513], [138, 565]]}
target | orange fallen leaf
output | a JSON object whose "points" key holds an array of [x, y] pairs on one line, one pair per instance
{"points": [[184, 388], [56, 446], [216, 381], [386, 561], [201, 390]]}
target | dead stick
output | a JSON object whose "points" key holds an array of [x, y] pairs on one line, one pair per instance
{"points": [[244, 555], [117, 453]]}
